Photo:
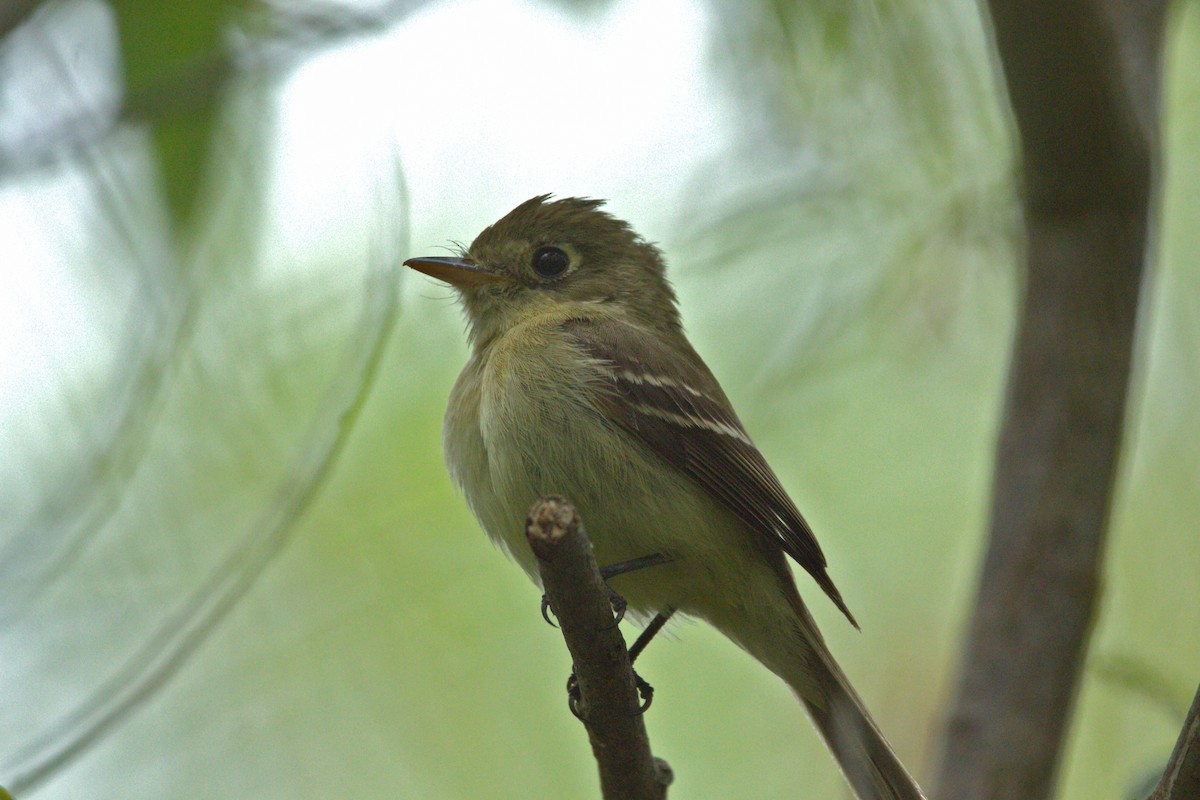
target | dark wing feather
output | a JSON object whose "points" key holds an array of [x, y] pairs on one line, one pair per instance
{"points": [[671, 403]]}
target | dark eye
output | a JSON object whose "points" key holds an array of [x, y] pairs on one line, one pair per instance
{"points": [[550, 262]]}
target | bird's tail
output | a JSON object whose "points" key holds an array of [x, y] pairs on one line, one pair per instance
{"points": [[784, 637], [862, 752], [864, 755]]}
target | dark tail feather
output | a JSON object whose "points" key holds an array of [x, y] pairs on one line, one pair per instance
{"points": [[862, 752], [784, 637]]}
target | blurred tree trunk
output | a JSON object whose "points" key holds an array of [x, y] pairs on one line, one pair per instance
{"points": [[1083, 79]]}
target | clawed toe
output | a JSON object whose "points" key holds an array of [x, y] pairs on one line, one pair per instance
{"points": [[575, 696], [645, 692], [619, 605]]}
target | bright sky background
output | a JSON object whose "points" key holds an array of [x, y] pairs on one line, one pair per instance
{"points": [[439, 91]]}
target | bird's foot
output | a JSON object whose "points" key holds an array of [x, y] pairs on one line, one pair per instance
{"points": [[618, 603], [575, 696], [619, 606]]}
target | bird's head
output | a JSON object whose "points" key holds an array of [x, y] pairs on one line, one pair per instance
{"points": [[556, 251]]}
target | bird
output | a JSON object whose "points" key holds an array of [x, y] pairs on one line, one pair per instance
{"points": [[582, 383]]}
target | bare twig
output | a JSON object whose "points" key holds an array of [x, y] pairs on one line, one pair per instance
{"points": [[608, 693], [1181, 778], [1082, 76]]}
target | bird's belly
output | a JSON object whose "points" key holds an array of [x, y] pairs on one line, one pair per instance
{"points": [[631, 504]]}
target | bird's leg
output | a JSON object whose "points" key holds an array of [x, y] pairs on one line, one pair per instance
{"points": [[645, 690], [620, 568], [651, 630], [611, 571]]}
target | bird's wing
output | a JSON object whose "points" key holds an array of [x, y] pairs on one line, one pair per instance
{"points": [[670, 402]]}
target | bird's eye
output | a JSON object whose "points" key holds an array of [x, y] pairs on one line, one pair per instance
{"points": [[550, 262]]}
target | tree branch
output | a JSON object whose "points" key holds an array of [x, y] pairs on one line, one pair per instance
{"points": [[1082, 76], [609, 704], [1181, 778]]}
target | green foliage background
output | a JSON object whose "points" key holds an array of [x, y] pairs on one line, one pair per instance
{"points": [[233, 562]]}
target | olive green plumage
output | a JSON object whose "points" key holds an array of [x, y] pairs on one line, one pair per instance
{"points": [[581, 383]]}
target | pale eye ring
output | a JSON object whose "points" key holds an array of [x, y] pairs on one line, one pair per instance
{"points": [[550, 262]]}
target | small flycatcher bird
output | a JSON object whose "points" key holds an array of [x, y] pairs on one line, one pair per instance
{"points": [[581, 383]]}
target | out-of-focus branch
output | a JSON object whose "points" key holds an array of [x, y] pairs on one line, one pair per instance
{"points": [[1181, 778], [13, 13], [608, 694], [1082, 76]]}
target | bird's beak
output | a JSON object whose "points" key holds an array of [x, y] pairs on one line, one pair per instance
{"points": [[461, 272]]}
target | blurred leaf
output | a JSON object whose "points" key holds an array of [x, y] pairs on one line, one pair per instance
{"points": [[200, 460], [160, 42], [874, 184]]}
